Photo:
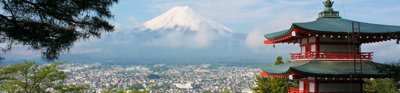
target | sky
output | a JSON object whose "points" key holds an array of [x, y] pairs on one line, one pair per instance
{"points": [[251, 17], [247, 15]]}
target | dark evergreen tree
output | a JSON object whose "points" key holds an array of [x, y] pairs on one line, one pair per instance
{"points": [[392, 70], [52, 25]]}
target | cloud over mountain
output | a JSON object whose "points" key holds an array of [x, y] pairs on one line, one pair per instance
{"points": [[182, 26], [178, 34], [183, 18]]}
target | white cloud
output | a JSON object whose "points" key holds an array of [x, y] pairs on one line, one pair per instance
{"points": [[282, 21], [83, 51], [23, 51], [134, 21], [384, 52], [203, 38]]}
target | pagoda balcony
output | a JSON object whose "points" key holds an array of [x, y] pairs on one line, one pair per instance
{"points": [[331, 56]]}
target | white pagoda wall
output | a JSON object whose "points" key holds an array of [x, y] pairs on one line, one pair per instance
{"points": [[339, 87]]}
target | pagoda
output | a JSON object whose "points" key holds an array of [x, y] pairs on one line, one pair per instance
{"points": [[330, 58]]}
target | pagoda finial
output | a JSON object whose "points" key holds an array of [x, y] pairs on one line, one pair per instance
{"points": [[328, 5], [328, 11]]}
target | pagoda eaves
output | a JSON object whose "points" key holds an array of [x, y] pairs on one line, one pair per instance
{"points": [[335, 28]]}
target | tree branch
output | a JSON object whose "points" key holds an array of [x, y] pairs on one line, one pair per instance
{"points": [[14, 19]]}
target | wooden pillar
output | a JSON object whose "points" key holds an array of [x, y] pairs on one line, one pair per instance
{"points": [[306, 86]]}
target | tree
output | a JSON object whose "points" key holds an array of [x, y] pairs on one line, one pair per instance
{"points": [[226, 91], [381, 86], [391, 85], [272, 84], [130, 90], [262, 84], [287, 60], [52, 25], [279, 60], [392, 70], [30, 77], [137, 86], [153, 76], [207, 91], [110, 90]]}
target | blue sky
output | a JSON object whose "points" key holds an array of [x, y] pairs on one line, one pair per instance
{"points": [[247, 15]]}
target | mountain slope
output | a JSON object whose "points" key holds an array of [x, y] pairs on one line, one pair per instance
{"points": [[182, 18]]}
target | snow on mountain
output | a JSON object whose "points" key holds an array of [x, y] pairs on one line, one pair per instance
{"points": [[182, 18]]}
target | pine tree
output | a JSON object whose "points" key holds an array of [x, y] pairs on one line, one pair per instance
{"points": [[30, 77], [271, 84], [278, 60], [52, 25]]}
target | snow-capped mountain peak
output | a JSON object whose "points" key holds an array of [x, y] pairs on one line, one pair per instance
{"points": [[183, 18]]}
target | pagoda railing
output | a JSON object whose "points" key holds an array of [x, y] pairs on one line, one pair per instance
{"points": [[331, 55], [296, 90]]}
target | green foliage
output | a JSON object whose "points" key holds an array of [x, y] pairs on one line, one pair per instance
{"points": [[130, 90], [153, 76], [392, 70], [207, 91], [293, 84], [279, 60], [165, 86], [262, 84], [29, 77], [110, 90], [159, 69], [287, 60], [381, 86], [137, 86], [271, 85], [226, 91], [139, 91], [52, 25]]}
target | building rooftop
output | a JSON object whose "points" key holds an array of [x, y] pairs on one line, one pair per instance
{"points": [[322, 68], [338, 26]]}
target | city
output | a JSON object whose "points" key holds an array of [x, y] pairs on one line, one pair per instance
{"points": [[166, 78]]}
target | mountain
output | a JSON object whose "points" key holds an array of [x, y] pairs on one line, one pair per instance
{"points": [[178, 35], [183, 18], [181, 26]]}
